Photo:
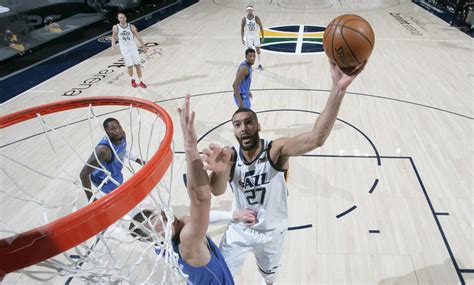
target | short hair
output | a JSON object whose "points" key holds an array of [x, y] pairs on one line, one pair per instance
{"points": [[246, 110], [139, 219], [109, 120], [48, 20], [249, 50]]}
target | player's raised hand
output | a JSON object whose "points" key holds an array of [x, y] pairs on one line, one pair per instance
{"points": [[144, 49], [187, 125], [342, 80], [216, 158]]}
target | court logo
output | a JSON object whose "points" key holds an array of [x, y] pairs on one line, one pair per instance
{"points": [[112, 72], [406, 24], [294, 39]]}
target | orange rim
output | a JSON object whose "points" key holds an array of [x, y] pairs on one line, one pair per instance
{"points": [[48, 240]]}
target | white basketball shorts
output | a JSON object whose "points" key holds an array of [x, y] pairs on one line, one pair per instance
{"points": [[131, 57], [267, 248], [252, 41]]}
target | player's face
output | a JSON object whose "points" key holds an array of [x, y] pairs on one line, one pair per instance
{"points": [[250, 12], [250, 58], [246, 130], [122, 19], [158, 225], [114, 131]]}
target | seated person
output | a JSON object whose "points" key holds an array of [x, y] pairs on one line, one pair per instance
{"points": [[13, 42], [51, 26]]}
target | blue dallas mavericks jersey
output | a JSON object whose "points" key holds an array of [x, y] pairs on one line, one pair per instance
{"points": [[114, 166], [244, 86], [215, 272]]}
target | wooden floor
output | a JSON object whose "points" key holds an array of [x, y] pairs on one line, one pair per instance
{"points": [[389, 198]]}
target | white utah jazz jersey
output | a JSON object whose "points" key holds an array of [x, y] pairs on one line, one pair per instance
{"points": [[126, 39], [257, 185], [251, 27]]}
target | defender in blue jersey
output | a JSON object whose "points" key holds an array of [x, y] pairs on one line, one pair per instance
{"points": [[243, 79], [200, 258], [110, 152]]}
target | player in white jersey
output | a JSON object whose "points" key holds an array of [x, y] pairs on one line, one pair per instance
{"points": [[249, 33], [126, 34], [254, 169]]}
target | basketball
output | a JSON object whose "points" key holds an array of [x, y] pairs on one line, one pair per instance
{"points": [[348, 41]]}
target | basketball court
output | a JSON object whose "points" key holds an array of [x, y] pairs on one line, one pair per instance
{"points": [[387, 200]]}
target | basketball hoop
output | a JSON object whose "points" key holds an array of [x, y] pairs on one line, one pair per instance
{"points": [[46, 241]]}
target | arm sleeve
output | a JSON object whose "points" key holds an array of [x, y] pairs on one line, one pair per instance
{"points": [[219, 216]]}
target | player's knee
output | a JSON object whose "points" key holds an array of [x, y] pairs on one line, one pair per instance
{"points": [[269, 275]]}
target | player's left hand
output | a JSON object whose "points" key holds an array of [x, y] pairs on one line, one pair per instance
{"points": [[262, 40], [144, 49], [216, 158], [250, 95], [246, 216]]}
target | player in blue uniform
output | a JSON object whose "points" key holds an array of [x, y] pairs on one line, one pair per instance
{"points": [[199, 256], [109, 154], [243, 79]]}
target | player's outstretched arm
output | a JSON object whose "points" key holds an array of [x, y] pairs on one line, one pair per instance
{"points": [[103, 154], [246, 216], [305, 142], [199, 194]]}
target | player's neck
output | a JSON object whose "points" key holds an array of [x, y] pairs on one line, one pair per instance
{"points": [[123, 25], [250, 17], [250, 155]]}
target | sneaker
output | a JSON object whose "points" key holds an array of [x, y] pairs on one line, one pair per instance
{"points": [[134, 84], [142, 85], [260, 67]]}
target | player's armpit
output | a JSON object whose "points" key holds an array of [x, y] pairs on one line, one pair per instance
{"points": [[276, 148]]}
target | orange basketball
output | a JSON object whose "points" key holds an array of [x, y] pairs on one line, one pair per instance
{"points": [[348, 41]]}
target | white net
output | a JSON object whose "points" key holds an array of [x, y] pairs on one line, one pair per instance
{"points": [[40, 166]]}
